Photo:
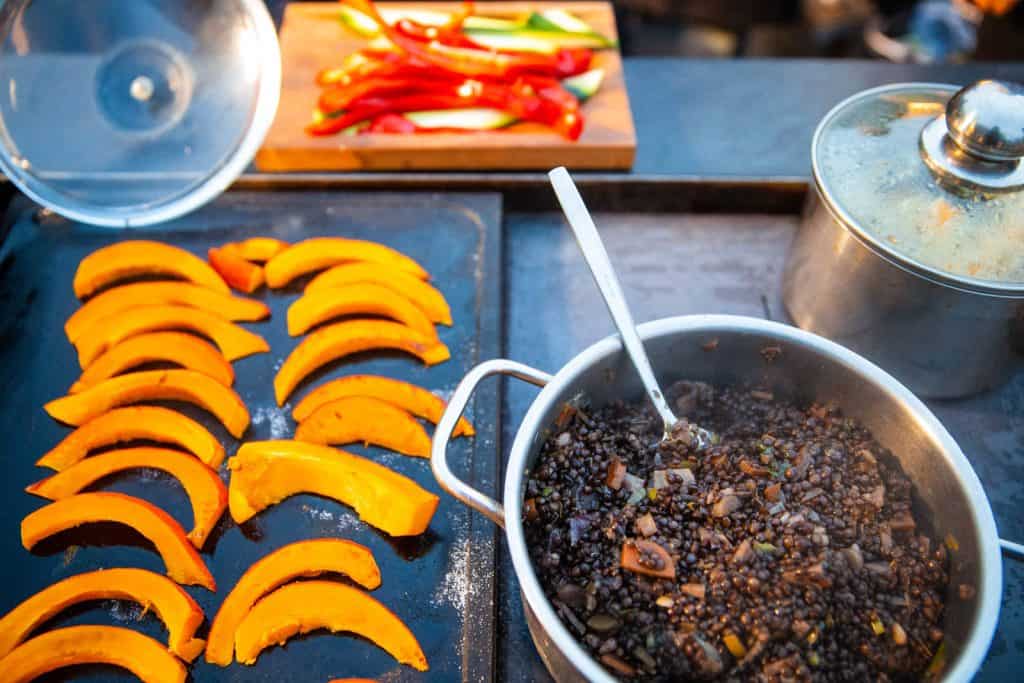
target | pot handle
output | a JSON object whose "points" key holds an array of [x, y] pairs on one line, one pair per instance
{"points": [[491, 508]]}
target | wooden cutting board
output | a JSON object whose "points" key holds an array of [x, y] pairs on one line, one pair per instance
{"points": [[312, 38]]}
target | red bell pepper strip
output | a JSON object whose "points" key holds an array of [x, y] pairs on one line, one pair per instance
{"points": [[339, 97], [391, 123]]}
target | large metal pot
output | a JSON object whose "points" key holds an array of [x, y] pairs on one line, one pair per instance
{"points": [[909, 301], [809, 367]]}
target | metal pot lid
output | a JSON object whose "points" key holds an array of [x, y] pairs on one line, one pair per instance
{"points": [[932, 177], [130, 112]]}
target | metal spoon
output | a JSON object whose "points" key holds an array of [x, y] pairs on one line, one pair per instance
{"points": [[604, 275]]}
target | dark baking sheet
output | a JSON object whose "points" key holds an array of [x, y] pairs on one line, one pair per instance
{"points": [[441, 584], [677, 264]]}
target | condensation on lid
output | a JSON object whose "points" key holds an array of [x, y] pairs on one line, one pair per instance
{"points": [[868, 164]]}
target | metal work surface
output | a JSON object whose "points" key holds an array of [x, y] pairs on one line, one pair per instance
{"points": [[680, 264], [440, 583]]}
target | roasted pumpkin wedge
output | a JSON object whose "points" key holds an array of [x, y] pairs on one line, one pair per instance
{"points": [[416, 400], [179, 348], [142, 257], [358, 419], [183, 562], [352, 336], [367, 299], [172, 604], [421, 293], [260, 249], [138, 294], [135, 423], [233, 340], [63, 647], [264, 473], [304, 558], [306, 606], [206, 492], [236, 271], [153, 385], [323, 252]]}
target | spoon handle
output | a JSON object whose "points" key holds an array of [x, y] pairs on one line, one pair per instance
{"points": [[604, 275]]}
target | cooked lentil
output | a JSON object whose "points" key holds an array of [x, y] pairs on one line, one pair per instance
{"points": [[794, 552]]}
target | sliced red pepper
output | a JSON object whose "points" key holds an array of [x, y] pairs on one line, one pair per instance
{"points": [[391, 123], [470, 60], [340, 97]]}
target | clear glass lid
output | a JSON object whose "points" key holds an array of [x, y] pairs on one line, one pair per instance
{"points": [[908, 170], [130, 112]]}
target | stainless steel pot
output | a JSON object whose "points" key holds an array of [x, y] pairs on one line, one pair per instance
{"points": [[944, 333], [809, 367]]}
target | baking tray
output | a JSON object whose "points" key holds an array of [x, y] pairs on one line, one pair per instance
{"points": [[684, 263], [441, 583]]}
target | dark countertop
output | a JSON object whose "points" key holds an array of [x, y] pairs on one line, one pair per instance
{"points": [[676, 264]]}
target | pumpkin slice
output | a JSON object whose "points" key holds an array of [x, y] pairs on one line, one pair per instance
{"points": [[236, 271], [421, 293], [304, 558], [234, 341], [358, 419], [182, 349], [137, 294], [416, 400], [153, 385], [132, 258], [172, 604], [149, 423], [323, 252], [369, 299], [260, 249], [206, 492], [62, 647], [183, 562], [352, 336], [264, 473], [306, 606]]}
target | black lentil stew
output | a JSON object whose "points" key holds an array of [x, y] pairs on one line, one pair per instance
{"points": [[785, 551]]}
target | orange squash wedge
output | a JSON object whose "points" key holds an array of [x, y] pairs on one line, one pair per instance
{"points": [[260, 249], [179, 348], [142, 257], [301, 559], [264, 473], [323, 252], [233, 341], [416, 400], [63, 647], [183, 562], [358, 419], [154, 385], [206, 492], [138, 294], [421, 293], [135, 423], [368, 299], [172, 604], [352, 336], [236, 271], [306, 606]]}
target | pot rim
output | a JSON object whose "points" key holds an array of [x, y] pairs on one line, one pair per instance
{"points": [[989, 593], [964, 283]]}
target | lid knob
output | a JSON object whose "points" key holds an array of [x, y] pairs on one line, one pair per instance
{"points": [[979, 142], [987, 120]]}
